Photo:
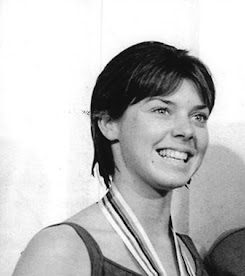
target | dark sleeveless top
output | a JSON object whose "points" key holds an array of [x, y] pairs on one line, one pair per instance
{"points": [[102, 266]]}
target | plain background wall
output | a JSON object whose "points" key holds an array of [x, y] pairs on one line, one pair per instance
{"points": [[217, 197], [51, 52]]}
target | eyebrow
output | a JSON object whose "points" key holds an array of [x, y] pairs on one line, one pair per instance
{"points": [[160, 99], [199, 106]]}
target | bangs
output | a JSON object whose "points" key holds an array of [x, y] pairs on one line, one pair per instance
{"points": [[163, 79], [150, 82], [201, 78]]}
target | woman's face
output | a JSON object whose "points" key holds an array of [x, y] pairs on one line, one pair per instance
{"points": [[163, 139]]}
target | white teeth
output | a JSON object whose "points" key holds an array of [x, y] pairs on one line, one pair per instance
{"points": [[168, 153]]}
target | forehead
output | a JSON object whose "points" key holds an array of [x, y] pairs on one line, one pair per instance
{"points": [[170, 88], [185, 93]]}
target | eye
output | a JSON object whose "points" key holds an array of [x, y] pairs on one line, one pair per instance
{"points": [[161, 110], [201, 117]]}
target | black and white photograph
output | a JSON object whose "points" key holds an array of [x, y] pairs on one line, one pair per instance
{"points": [[122, 138]]}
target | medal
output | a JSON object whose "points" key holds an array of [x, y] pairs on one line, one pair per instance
{"points": [[127, 226]]}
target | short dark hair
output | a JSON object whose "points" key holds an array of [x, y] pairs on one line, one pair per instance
{"points": [[143, 70]]}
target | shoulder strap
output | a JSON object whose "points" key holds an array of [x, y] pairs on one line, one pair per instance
{"points": [[190, 245], [94, 251], [197, 258]]}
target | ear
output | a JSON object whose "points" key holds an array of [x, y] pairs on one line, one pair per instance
{"points": [[108, 127]]}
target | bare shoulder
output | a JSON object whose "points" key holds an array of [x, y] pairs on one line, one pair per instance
{"points": [[92, 219], [55, 250], [58, 250], [110, 244]]}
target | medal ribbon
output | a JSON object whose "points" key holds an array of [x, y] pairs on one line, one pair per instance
{"points": [[125, 223]]}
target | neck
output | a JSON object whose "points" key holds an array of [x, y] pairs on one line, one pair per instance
{"points": [[151, 207]]}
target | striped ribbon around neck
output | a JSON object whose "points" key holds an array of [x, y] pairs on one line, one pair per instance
{"points": [[127, 226]]}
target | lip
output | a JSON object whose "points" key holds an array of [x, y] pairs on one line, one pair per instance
{"points": [[189, 151]]}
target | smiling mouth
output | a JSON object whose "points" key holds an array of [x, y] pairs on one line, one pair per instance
{"points": [[174, 155]]}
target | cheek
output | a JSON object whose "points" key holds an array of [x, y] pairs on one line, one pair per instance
{"points": [[136, 130], [137, 138], [203, 140]]}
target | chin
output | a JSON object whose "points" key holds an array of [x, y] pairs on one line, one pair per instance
{"points": [[171, 183]]}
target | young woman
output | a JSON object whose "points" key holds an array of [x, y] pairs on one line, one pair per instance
{"points": [[149, 113]]}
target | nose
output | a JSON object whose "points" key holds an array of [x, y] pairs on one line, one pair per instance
{"points": [[183, 128]]}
